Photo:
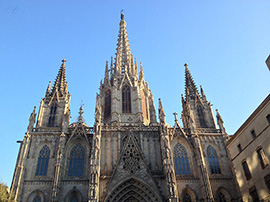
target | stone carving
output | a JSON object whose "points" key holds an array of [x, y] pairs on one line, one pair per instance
{"points": [[131, 158]]}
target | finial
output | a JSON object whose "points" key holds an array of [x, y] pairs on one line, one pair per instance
{"points": [[63, 61], [122, 15], [175, 116], [80, 114], [186, 65]]}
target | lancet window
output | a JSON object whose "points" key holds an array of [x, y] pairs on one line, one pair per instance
{"points": [[201, 116], [107, 108], [181, 160], [37, 199], [126, 99], [52, 116], [43, 161], [74, 199], [213, 160], [186, 197], [76, 161], [221, 197]]}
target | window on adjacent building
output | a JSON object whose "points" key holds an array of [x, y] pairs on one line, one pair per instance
{"points": [[107, 108], [213, 160], [51, 121], [239, 147], [181, 160], [254, 194], [37, 199], [126, 99], [268, 118], [253, 134], [43, 161], [246, 170], [267, 181], [262, 157], [76, 161]]}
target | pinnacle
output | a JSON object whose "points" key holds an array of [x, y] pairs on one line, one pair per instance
{"points": [[191, 89], [60, 81]]}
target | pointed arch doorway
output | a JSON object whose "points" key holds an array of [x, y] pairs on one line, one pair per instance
{"points": [[132, 191]]}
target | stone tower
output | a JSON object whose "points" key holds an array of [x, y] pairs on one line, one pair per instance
{"points": [[127, 156]]}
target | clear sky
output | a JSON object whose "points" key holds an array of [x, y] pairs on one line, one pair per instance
{"points": [[225, 43]]}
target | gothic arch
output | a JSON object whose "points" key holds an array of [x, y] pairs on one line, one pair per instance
{"points": [[68, 150], [74, 195], [212, 153], [222, 195], [126, 99], [132, 189], [188, 195], [43, 161], [36, 194], [190, 154]]}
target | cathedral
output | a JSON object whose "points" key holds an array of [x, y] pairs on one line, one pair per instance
{"points": [[129, 154]]}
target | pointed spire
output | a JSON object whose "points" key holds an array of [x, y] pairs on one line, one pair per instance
{"points": [[202, 93], [123, 54], [60, 81], [191, 89], [81, 119], [32, 120], [111, 68], [48, 89], [98, 110], [141, 78], [220, 122], [161, 113], [106, 73]]}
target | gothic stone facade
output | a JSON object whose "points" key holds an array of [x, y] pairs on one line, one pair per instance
{"points": [[128, 155]]}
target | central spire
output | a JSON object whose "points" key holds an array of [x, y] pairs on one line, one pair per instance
{"points": [[123, 58], [60, 81]]}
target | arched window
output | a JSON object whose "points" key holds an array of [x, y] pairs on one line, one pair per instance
{"points": [[221, 197], [186, 197], [37, 199], [43, 161], [201, 116], [74, 199], [52, 116], [107, 104], [213, 160], [76, 161], [181, 160], [126, 99]]}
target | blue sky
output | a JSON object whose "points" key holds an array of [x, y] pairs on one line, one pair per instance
{"points": [[225, 44]]}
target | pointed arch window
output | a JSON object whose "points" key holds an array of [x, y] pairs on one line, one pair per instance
{"points": [[52, 116], [181, 160], [201, 116], [213, 160], [43, 161], [76, 161], [74, 199], [107, 104], [186, 197], [221, 197], [37, 199], [126, 99]]}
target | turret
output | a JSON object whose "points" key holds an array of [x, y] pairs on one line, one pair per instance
{"points": [[136, 105], [197, 111], [54, 107]]}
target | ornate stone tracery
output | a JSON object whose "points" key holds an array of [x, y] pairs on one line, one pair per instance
{"points": [[132, 191], [131, 158]]}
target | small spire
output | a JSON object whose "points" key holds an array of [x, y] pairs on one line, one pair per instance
{"points": [[80, 119], [48, 89], [122, 15], [161, 112], [60, 81], [141, 78], [106, 70], [220, 122], [202, 92], [111, 68], [175, 117], [190, 87]]}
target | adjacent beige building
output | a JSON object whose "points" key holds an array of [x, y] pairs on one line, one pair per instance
{"points": [[128, 155], [250, 153]]}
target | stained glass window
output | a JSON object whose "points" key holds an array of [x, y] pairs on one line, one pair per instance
{"points": [[43, 161], [126, 99], [37, 199], [107, 110], [76, 161], [181, 160], [74, 199], [186, 197], [52, 116], [213, 160], [221, 197]]}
